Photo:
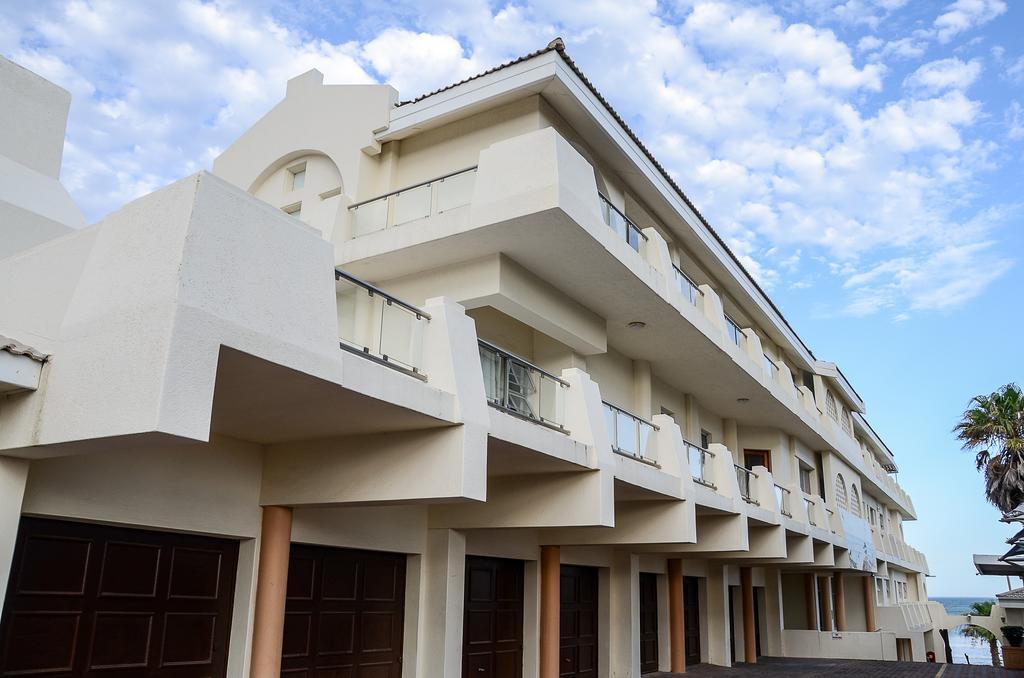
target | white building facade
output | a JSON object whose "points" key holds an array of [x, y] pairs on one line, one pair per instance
{"points": [[457, 386]]}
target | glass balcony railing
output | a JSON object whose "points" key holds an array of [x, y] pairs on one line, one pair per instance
{"points": [[687, 286], [770, 367], [621, 224], [629, 434], [418, 201], [733, 330], [809, 505], [700, 462], [376, 325], [782, 499], [744, 477], [521, 388]]}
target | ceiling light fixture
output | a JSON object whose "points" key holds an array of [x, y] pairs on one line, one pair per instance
{"points": [[637, 325], [743, 401]]}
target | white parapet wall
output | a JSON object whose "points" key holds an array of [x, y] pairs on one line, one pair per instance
{"points": [[845, 645]]}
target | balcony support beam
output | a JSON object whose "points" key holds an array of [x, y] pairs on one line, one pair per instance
{"points": [[271, 587], [749, 639], [840, 591], [550, 602], [676, 617]]}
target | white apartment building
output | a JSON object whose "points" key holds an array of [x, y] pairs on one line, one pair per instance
{"points": [[462, 385]]}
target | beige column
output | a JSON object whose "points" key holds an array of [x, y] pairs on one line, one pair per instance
{"points": [[809, 595], [271, 587], [731, 438], [550, 604], [825, 596], [747, 591], [838, 587], [676, 623], [869, 602]]}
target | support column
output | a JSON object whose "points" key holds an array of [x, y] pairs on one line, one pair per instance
{"points": [[550, 604], [811, 603], [749, 639], [825, 596], [869, 602], [624, 631], [840, 590], [442, 599], [271, 587], [676, 623], [13, 477]]}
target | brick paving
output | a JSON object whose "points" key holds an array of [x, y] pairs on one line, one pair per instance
{"points": [[840, 668]]}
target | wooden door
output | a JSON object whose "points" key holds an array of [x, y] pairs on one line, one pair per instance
{"points": [[691, 619], [344, 613], [648, 622], [578, 622], [752, 458], [493, 620], [93, 600]]}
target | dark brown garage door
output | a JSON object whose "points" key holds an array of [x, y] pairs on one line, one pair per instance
{"points": [[578, 623], [344, 614], [493, 635], [91, 600], [648, 622]]}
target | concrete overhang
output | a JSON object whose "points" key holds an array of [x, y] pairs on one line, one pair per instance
{"points": [[832, 372], [20, 366]]}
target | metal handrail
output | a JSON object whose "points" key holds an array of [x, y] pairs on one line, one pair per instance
{"points": [[411, 187], [629, 222], [704, 454], [809, 506], [730, 323], [373, 289], [695, 292], [630, 414], [525, 363], [782, 495], [748, 475]]}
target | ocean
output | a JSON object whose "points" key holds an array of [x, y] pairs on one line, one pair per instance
{"points": [[965, 650]]}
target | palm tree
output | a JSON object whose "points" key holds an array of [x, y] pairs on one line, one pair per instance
{"points": [[995, 424], [982, 608]]}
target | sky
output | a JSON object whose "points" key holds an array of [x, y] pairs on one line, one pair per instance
{"points": [[864, 158]]}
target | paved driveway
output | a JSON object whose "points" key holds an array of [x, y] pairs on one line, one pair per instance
{"points": [[841, 668]]}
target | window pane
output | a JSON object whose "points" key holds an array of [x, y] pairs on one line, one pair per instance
{"points": [[298, 179]]}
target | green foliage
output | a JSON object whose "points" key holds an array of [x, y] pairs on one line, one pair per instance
{"points": [[993, 428], [980, 608]]}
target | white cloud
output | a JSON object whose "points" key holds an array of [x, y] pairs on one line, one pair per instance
{"points": [[1015, 121], [963, 15], [1015, 71], [799, 145], [936, 76]]}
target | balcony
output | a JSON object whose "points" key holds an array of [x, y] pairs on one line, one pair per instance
{"points": [[701, 463], [419, 201], [782, 499], [733, 331], [809, 507], [522, 389], [630, 435], [686, 285], [379, 326], [745, 478], [621, 224]]}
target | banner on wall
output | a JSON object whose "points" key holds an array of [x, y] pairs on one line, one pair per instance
{"points": [[858, 536]]}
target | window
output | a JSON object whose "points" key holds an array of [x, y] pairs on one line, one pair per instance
{"points": [[296, 177], [847, 426], [293, 210], [830, 406], [705, 439], [840, 491], [855, 500], [805, 479]]}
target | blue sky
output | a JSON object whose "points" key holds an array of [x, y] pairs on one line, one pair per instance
{"points": [[863, 157]]}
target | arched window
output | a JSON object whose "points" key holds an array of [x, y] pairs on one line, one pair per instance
{"points": [[840, 491], [847, 426], [830, 406], [854, 500]]}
